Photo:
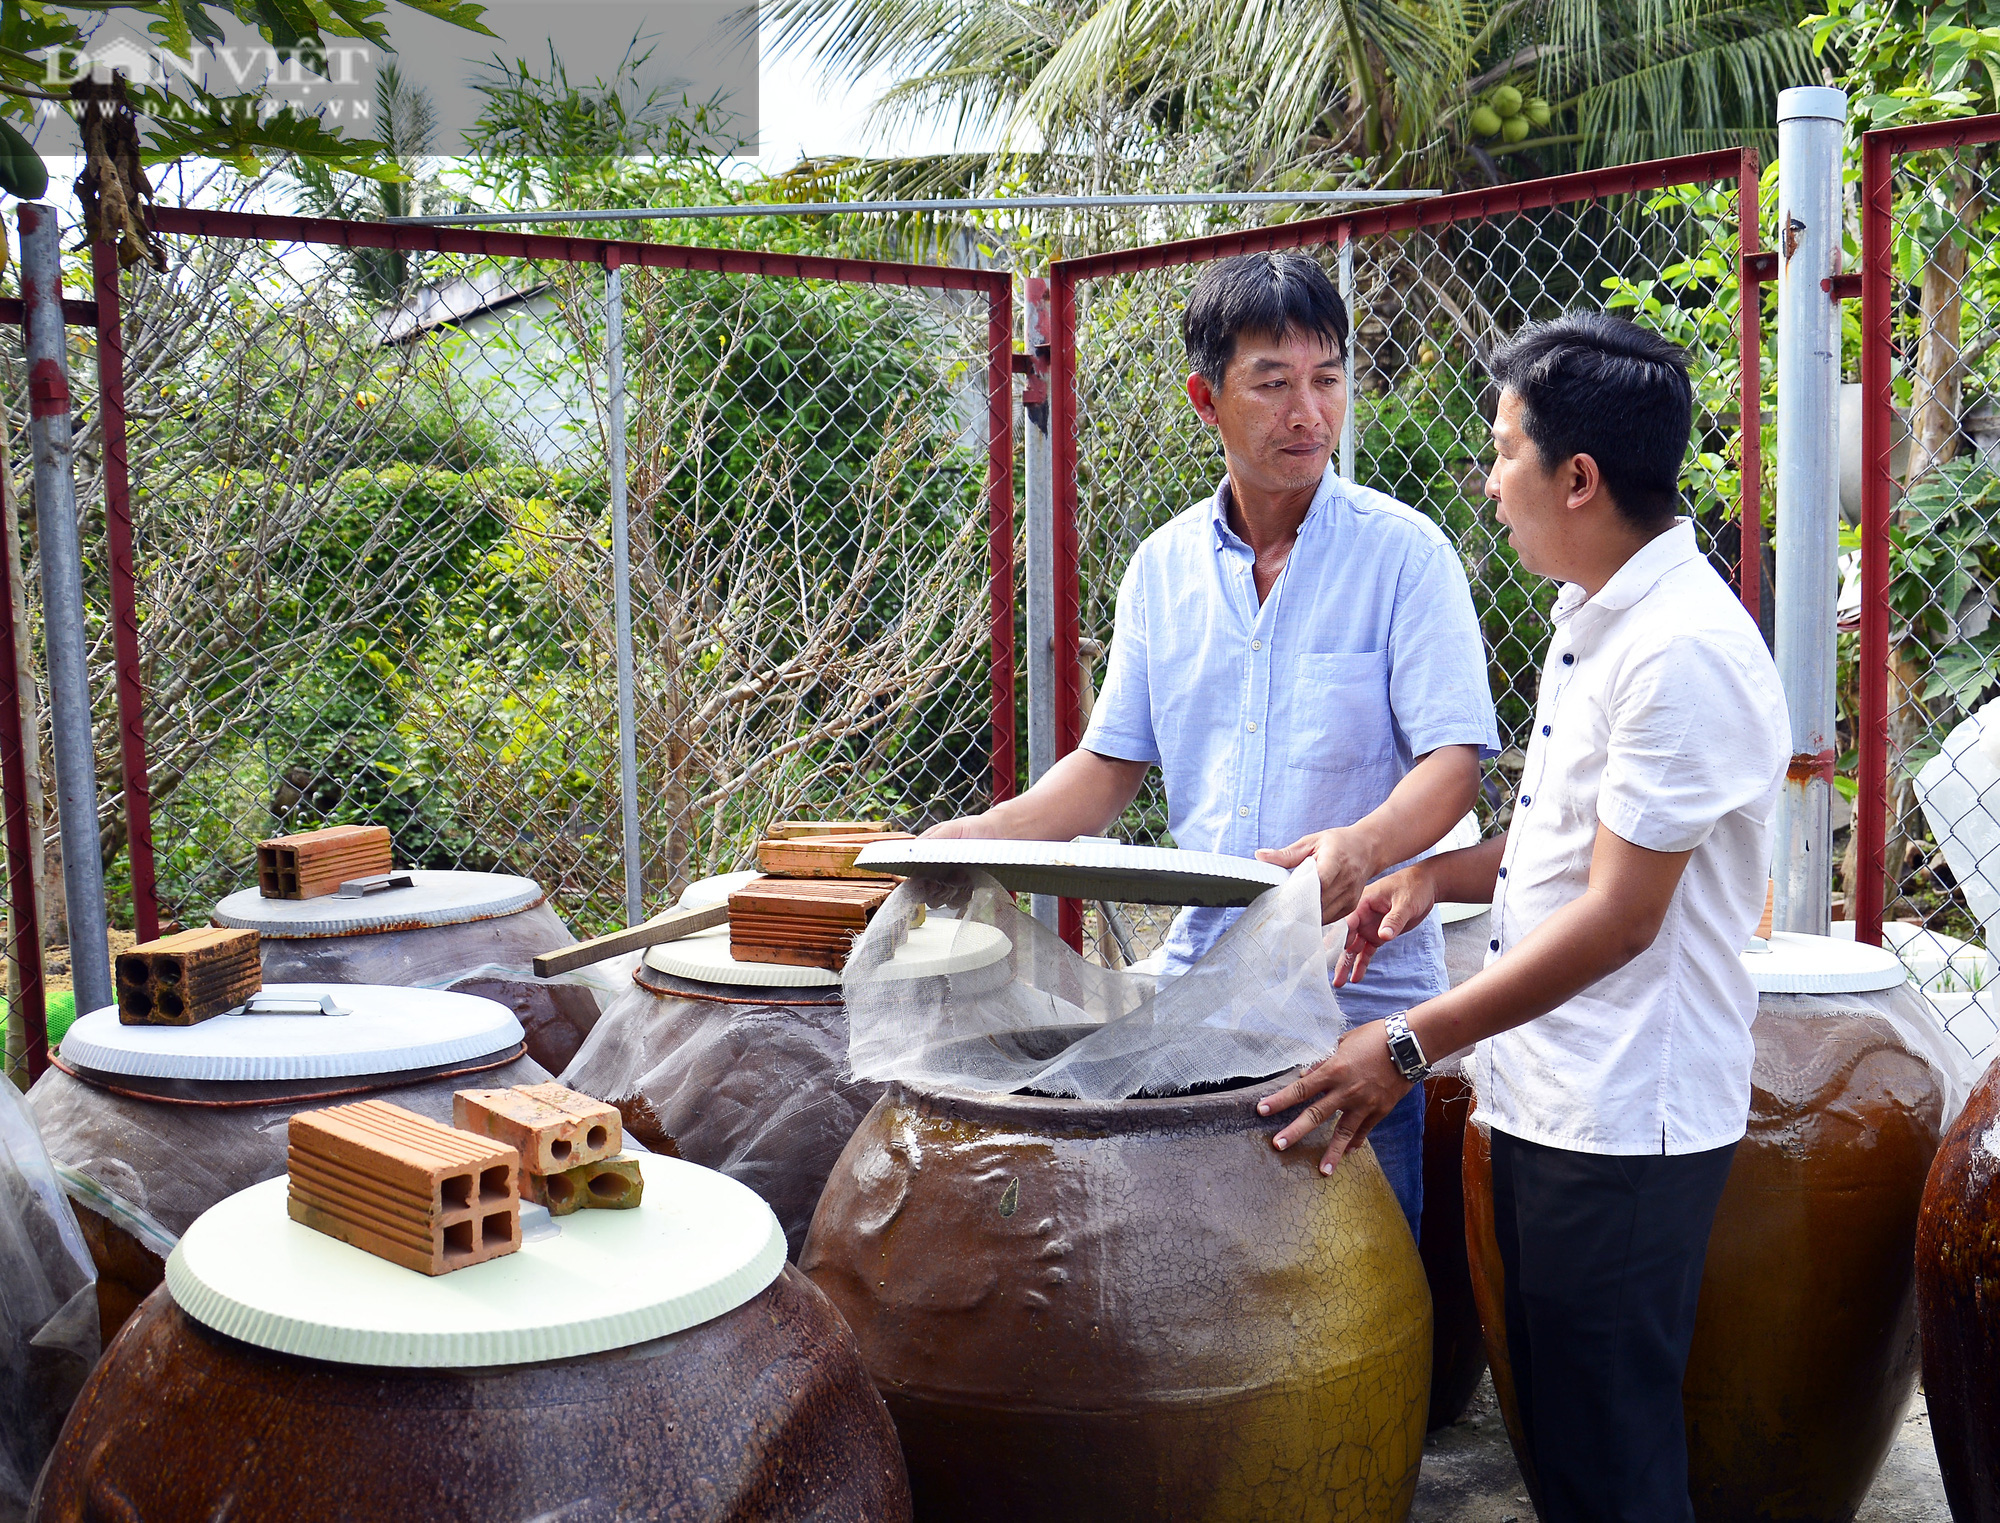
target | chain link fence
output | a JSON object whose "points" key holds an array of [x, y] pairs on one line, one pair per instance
{"points": [[1428, 303], [372, 501], [1943, 542]]}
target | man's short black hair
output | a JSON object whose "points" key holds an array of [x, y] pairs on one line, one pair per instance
{"points": [[1274, 294], [1597, 385]]}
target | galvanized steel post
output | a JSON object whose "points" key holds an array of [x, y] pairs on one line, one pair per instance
{"points": [[621, 590], [62, 603], [1811, 123], [1041, 567]]}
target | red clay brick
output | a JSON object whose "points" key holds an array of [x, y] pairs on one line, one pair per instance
{"points": [[403, 1187], [609, 1184], [187, 977], [553, 1128], [316, 862]]}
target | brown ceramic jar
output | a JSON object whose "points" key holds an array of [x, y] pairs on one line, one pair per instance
{"points": [[1958, 1305], [1805, 1349], [1458, 1349], [1128, 1310], [763, 1414]]}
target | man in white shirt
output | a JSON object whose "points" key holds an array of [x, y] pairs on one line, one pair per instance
{"points": [[1613, 1015]]}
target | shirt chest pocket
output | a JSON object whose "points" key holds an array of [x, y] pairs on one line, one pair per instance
{"points": [[1334, 711]]}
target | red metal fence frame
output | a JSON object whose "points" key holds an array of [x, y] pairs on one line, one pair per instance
{"points": [[1878, 177], [1739, 164]]}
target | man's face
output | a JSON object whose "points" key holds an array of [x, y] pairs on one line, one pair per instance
{"points": [[1279, 409], [1531, 500]]}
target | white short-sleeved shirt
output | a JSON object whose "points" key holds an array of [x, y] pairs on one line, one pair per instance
{"points": [[1661, 717], [1270, 721]]}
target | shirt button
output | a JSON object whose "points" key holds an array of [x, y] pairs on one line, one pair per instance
{"points": [[1253, 727], [1493, 946], [1525, 800], [1569, 660], [1545, 729], [1503, 872], [1256, 644], [1243, 809]]}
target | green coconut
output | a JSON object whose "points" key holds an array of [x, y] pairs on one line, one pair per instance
{"points": [[1506, 100], [1537, 111], [1514, 129], [1485, 121]]}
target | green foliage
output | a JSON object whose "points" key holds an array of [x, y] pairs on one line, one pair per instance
{"points": [[1906, 62]]}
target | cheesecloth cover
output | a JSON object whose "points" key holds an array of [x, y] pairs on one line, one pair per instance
{"points": [[1044, 1019]]}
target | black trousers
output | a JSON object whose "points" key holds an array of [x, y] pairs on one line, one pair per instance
{"points": [[1603, 1257]]}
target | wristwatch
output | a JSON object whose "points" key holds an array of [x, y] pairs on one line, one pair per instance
{"points": [[1405, 1051]]}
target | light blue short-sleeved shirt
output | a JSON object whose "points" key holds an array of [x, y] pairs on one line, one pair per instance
{"points": [[1271, 722]]}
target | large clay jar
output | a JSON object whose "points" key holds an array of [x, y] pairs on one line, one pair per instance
{"points": [[1128, 1310], [750, 1082], [760, 1415], [444, 924], [1458, 1348], [1958, 1305], [1805, 1346]]}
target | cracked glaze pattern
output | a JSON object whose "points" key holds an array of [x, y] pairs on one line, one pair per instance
{"points": [[1958, 1305], [1805, 1347], [760, 1416], [1129, 1309]]}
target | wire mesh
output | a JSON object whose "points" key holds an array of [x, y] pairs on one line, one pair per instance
{"points": [[1428, 306], [1943, 655], [371, 498]]}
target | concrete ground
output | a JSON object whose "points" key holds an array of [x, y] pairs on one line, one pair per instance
{"points": [[1469, 1473]]}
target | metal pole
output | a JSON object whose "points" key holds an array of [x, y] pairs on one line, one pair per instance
{"points": [[1811, 122], [62, 603], [621, 592], [1347, 300], [1041, 536]]}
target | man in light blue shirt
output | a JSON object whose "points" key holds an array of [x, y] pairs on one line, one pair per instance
{"points": [[1298, 655]]}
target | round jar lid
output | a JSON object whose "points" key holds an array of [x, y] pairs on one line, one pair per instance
{"points": [[1800, 964], [432, 899], [697, 1245], [385, 1030], [1088, 869], [937, 947]]}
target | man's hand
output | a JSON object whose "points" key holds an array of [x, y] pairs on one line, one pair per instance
{"points": [[1355, 1088], [1345, 865], [967, 827], [1387, 909]]}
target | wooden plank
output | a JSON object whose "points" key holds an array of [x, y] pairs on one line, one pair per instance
{"points": [[671, 926], [791, 830], [829, 856]]}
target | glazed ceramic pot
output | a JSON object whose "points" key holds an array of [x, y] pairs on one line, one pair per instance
{"points": [[1128, 1310], [1958, 1305], [1805, 1346], [1458, 1348], [760, 1415]]}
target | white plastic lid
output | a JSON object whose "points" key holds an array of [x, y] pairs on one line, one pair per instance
{"points": [[1087, 869], [698, 1244], [388, 1030], [433, 899], [1799, 964], [937, 947]]}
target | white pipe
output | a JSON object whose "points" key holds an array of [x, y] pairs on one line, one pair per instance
{"points": [[1811, 124]]}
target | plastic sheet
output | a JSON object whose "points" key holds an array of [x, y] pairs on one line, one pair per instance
{"points": [[757, 1088], [1257, 1004], [48, 1304], [173, 1161], [1909, 1016]]}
